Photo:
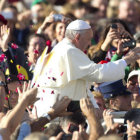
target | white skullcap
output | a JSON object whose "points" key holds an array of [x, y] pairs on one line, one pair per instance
{"points": [[78, 25]]}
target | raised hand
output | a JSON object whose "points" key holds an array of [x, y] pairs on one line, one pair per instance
{"points": [[4, 37], [60, 107], [112, 34], [87, 107], [28, 93], [31, 115], [21, 91], [120, 49], [49, 19], [108, 118], [131, 129]]}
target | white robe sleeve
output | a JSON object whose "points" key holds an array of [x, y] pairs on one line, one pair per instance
{"points": [[81, 67], [111, 71]]}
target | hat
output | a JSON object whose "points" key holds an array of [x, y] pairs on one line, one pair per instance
{"points": [[2, 19], [113, 89], [38, 1], [78, 25], [133, 73]]}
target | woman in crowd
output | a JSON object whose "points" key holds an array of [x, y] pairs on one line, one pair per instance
{"points": [[108, 43], [54, 27]]}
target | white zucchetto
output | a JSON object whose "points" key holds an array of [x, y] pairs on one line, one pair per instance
{"points": [[78, 25]]}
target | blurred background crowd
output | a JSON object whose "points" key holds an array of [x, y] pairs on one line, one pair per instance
{"points": [[27, 27]]}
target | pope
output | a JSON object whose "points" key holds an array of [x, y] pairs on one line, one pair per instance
{"points": [[67, 71]]}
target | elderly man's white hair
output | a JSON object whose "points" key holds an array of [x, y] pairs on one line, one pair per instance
{"points": [[76, 27], [72, 33]]}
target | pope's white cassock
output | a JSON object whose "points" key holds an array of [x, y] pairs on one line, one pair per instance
{"points": [[68, 71]]}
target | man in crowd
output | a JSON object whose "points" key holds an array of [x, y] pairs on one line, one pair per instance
{"points": [[132, 84], [128, 12], [68, 71], [116, 95]]}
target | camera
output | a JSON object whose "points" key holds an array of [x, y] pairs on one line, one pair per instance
{"points": [[131, 44], [57, 17], [74, 106]]}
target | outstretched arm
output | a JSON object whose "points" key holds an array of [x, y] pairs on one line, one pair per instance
{"points": [[96, 129], [58, 109], [12, 119]]}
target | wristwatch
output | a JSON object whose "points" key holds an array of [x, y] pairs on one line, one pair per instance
{"points": [[2, 83], [46, 115]]}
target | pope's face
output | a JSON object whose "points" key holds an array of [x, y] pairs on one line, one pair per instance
{"points": [[85, 40]]}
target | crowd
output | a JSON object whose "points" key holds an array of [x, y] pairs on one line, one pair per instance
{"points": [[69, 70]]}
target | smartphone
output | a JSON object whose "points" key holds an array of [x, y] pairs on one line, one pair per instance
{"points": [[72, 128], [7, 15], [74, 106], [114, 26], [57, 17]]}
